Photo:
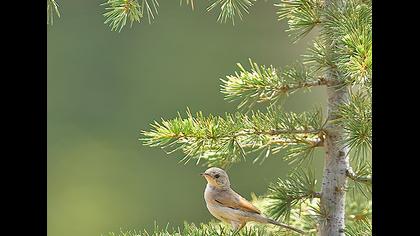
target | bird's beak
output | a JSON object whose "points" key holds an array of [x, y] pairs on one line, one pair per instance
{"points": [[209, 179]]}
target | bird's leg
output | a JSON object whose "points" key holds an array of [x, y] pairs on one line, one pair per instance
{"points": [[237, 227], [235, 232]]}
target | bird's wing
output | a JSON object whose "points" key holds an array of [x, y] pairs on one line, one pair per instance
{"points": [[236, 201]]}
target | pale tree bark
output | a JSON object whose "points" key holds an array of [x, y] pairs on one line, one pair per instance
{"points": [[336, 161], [335, 169]]}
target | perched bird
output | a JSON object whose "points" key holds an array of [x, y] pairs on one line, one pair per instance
{"points": [[230, 207]]}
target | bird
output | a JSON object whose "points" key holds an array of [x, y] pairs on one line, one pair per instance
{"points": [[230, 207]]}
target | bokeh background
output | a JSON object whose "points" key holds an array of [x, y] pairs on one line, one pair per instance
{"points": [[104, 87]]}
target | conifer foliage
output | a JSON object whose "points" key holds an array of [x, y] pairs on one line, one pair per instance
{"points": [[52, 9], [340, 60]]}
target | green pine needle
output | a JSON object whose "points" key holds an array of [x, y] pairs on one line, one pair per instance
{"points": [[211, 229], [265, 84], [358, 207], [52, 9], [317, 58], [221, 141], [350, 23], [302, 15], [359, 228], [356, 119], [289, 193], [361, 183], [230, 9], [187, 2], [121, 12], [151, 9]]}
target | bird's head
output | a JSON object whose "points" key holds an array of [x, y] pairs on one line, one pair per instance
{"points": [[216, 177]]}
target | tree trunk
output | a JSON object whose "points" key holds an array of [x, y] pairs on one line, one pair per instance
{"points": [[336, 164], [336, 161]]}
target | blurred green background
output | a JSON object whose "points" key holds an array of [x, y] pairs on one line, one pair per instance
{"points": [[104, 87]]}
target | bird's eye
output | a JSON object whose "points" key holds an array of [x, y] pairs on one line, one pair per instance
{"points": [[217, 176]]}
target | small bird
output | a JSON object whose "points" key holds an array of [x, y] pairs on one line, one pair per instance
{"points": [[230, 207]]}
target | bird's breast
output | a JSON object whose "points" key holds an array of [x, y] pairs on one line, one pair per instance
{"points": [[219, 211], [212, 206], [208, 193]]}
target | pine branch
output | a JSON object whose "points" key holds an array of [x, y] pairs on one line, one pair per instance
{"points": [[120, 12], [291, 192], [359, 228], [52, 9], [362, 177], [187, 2], [317, 58], [224, 140], [306, 216], [366, 179], [211, 229], [262, 84], [350, 24], [151, 9], [302, 15], [356, 118], [300, 215], [230, 9], [317, 215], [358, 207]]}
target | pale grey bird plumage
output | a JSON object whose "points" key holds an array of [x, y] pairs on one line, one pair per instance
{"points": [[228, 206]]}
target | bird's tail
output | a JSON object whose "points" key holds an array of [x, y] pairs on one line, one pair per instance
{"points": [[285, 226]]}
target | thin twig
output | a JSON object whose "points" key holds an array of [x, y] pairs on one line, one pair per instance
{"points": [[362, 179], [318, 82], [317, 141], [316, 194]]}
